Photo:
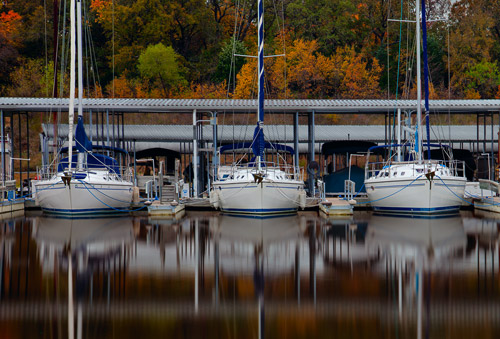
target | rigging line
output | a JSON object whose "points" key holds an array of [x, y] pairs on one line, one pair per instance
{"points": [[388, 52], [63, 51], [100, 191], [390, 195], [85, 43], [449, 81], [113, 208], [397, 75], [113, 43]]}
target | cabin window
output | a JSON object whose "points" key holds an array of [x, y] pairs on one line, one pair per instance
{"points": [[402, 173], [395, 173]]}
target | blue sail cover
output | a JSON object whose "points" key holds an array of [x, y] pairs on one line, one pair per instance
{"points": [[267, 145], [83, 143], [258, 143], [94, 161]]}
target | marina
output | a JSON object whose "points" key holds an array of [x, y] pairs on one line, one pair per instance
{"points": [[312, 170]]}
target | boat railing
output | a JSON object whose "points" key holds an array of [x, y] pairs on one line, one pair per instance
{"points": [[349, 189], [119, 173], [385, 169], [291, 172]]}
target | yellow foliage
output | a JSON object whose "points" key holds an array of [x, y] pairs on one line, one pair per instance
{"points": [[122, 88], [358, 80], [207, 91], [99, 7], [306, 73], [246, 81], [472, 94]]}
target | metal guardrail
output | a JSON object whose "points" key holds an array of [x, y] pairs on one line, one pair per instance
{"points": [[124, 173], [456, 167], [291, 172], [349, 189], [151, 188]]}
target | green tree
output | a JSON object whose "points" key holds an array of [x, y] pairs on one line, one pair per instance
{"points": [[31, 79], [471, 40], [484, 78], [159, 64], [230, 65], [329, 22]]}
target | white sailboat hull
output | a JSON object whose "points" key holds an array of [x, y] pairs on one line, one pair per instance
{"points": [[253, 198], [83, 197], [419, 196]]}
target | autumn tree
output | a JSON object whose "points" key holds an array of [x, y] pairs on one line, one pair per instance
{"points": [[10, 24], [360, 75], [471, 39], [31, 79], [482, 78], [159, 64]]}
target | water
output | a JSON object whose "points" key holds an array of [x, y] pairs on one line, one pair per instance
{"points": [[213, 276]]}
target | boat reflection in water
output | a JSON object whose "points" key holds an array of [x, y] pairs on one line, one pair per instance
{"points": [[209, 274], [245, 243], [413, 248], [262, 246], [82, 247]]}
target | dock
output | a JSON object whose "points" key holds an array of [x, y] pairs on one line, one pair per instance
{"points": [[336, 207]]}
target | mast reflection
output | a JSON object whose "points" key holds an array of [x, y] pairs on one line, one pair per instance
{"points": [[417, 247]]}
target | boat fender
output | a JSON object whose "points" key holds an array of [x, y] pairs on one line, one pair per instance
{"points": [[214, 199], [302, 199]]}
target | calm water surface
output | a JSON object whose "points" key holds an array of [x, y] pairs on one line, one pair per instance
{"points": [[213, 276]]}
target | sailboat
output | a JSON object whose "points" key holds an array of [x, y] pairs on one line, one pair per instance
{"points": [[259, 187], [85, 183], [415, 185]]}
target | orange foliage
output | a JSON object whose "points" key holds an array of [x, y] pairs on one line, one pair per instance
{"points": [[125, 88], [304, 73], [359, 81], [246, 81], [99, 7], [207, 91], [472, 94], [10, 24], [122, 88]]}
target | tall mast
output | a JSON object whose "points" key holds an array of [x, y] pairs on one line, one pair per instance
{"points": [[81, 155], [260, 112], [80, 62], [71, 112], [260, 117], [418, 141]]}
